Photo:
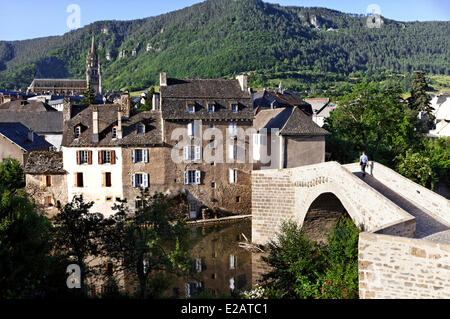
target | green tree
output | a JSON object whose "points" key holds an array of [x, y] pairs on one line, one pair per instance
{"points": [[420, 101], [78, 233], [148, 242], [341, 259], [417, 167], [24, 238], [371, 118], [295, 264], [148, 101], [89, 95]]}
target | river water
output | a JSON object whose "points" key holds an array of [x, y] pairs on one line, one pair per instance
{"points": [[221, 267]]}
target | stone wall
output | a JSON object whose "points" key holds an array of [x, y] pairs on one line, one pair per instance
{"points": [[300, 151], [224, 195], [37, 189], [396, 267]]}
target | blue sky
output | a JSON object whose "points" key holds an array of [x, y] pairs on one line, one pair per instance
{"points": [[26, 19]]}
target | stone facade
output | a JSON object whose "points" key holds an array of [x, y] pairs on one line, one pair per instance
{"points": [[223, 195], [402, 268]]}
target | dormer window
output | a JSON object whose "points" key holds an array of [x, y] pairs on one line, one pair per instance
{"points": [[114, 132], [77, 131], [191, 108], [141, 129], [211, 108], [234, 108]]}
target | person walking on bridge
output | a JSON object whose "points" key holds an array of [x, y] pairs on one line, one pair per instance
{"points": [[363, 161]]}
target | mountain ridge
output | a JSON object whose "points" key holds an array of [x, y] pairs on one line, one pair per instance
{"points": [[221, 38]]}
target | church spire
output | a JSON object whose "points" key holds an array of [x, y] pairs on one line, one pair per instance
{"points": [[93, 44]]}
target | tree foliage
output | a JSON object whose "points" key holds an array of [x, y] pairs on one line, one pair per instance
{"points": [[301, 269]]}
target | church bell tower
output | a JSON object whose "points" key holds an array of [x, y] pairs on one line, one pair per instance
{"points": [[93, 70]]}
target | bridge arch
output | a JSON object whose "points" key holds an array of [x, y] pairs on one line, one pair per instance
{"points": [[312, 195], [323, 214]]}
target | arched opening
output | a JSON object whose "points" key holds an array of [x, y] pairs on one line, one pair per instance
{"points": [[322, 215]]}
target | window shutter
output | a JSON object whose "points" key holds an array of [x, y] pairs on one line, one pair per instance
{"points": [[78, 158], [133, 180], [100, 159], [133, 156], [44, 180], [103, 179], [186, 178], [113, 157], [198, 175], [145, 156], [233, 174], [90, 157], [186, 153], [198, 153], [190, 129], [230, 151], [76, 179], [145, 179]]}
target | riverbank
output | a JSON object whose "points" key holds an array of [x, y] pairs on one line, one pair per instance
{"points": [[223, 220]]}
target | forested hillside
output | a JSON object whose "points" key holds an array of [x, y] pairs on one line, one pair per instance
{"points": [[220, 38]]}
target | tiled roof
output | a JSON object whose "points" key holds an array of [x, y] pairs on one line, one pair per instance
{"points": [[267, 99], [300, 124], [40, 122], [26, 106], [107, 118], [317, 103], [178, 94], [289, 120], [18, 134], [40, 163]]}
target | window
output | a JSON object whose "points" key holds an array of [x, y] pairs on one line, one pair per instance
{"points": [[193, 210], [213, 185], [211, 126], [213, 163], [139, 156], [48, 201], [192, 153], [232, 286], [211, 108], [238, 199], [114, 132], [192, 177], [234, 108], [198, 264], [139, 203], [84, 157], [232, 152], [140, 180], [48, 181], [107, 180], [233, 176], [233, 262], [256, 150], [190, 129], [232, 129], [212, 144], [141, 129], [77, 131], [107, 157], [191, 108], [79, 180]]}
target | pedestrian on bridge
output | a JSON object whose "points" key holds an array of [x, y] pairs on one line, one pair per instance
{"points": [[363, 161]]}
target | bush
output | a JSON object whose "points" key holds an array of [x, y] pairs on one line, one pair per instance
{"points": [[301, 269]]}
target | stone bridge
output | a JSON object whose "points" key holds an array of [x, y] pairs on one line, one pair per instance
{"points": [[405, 244]]}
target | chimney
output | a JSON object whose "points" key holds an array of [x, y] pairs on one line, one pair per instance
{"points": [[163, 79], [95, 138], [155, 102], [243, 82], [119, 123], [67, 110], [30, 135]]}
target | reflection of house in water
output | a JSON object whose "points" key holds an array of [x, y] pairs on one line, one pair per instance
{"points": [[219, 265]]}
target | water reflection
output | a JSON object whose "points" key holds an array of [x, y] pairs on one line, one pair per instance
{"points": [[220, 265]]}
